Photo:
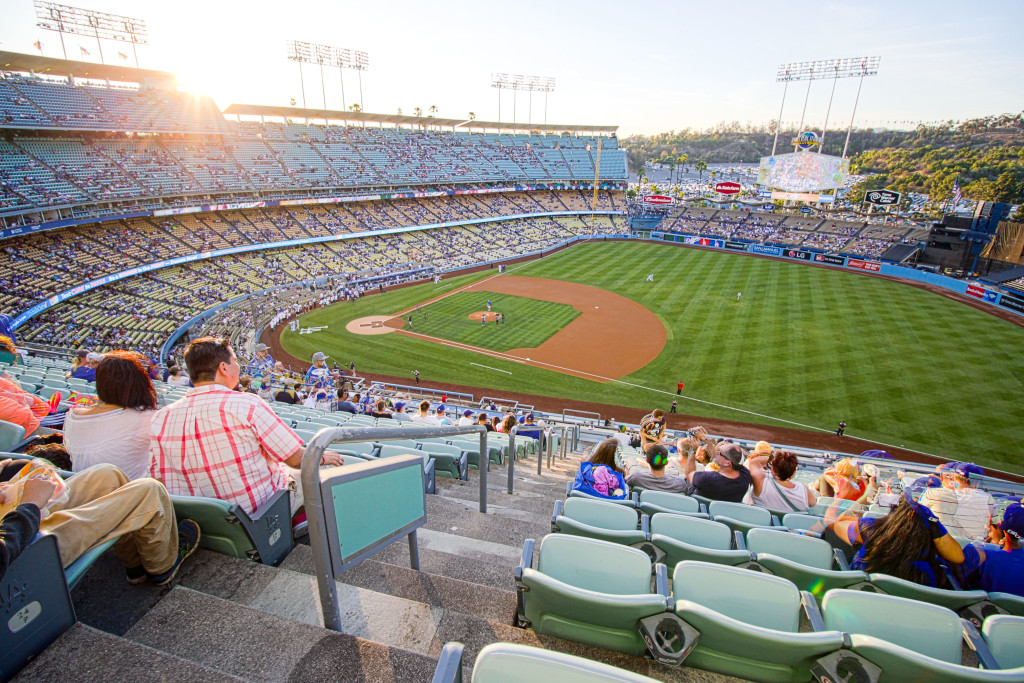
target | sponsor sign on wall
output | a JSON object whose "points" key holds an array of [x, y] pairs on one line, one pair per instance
{"points": [[864, 265], [703, 241], [727, 187], [657, 199], [796, 253], [739, 246], [975, 290], [882, 197], [761, 249], [829, 258], [1013, 303]]}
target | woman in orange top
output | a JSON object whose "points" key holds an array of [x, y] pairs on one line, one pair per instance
{"points": [[828, 483]]}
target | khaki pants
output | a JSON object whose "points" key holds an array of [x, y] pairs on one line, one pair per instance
{"points": [[103, 505]]}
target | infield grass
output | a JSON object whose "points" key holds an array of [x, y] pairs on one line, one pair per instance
{"points": [[806, 345]]}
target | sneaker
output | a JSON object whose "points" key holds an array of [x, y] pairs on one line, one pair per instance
{"points": [[188, 541], [136, 575]]}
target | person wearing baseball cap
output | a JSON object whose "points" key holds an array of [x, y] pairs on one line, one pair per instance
{"points": [[959, 504], [261, 365], [729, 483], [467, 419], [999, 571], [319, 381]]}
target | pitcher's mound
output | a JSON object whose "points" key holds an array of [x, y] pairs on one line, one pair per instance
{"points": [[489, 316], [373, 324]]}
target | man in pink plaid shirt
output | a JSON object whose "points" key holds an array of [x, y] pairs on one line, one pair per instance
{"points": [[219, 443]]}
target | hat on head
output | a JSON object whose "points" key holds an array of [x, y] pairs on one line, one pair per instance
{"points": [[529, 416], [946, 467], [81, 353], [262, 347], [762, 448], [966, 469], [731, 452], [467, 413], [1013, 521], [94, 357], [400, 405], [319, 355], [440, 408]]}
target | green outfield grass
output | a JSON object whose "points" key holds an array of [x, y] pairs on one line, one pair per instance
{"points": [[528, 322], [809, 345]]}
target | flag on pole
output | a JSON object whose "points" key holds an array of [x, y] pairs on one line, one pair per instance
{"points": [[38, 45], [957, 195], [85, 53], [122, 55]]}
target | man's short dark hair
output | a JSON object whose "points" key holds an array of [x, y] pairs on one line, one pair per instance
{"points": [[657, 456], [203, 357]]}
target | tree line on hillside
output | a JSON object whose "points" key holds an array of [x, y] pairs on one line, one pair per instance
{"points": [[985, 154]]}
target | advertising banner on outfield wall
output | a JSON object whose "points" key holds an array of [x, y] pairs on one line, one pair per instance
{"points": [[761, 249], [864, 265], [796, 253], [1012, 302], [739, 246], [981, 293], [703, 241], [829, 258]]}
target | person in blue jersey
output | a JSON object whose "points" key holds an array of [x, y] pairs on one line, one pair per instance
{"points": [[262, 364], [999, 570], [319, 379]]}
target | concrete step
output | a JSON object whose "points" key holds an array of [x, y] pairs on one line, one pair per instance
{"points": [[452, 515], [256, 645], [86, 655]]}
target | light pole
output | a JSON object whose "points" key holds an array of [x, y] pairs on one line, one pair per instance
{"points": [[101, 26]]}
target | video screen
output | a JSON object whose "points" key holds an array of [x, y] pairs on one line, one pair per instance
{"points": [[803, 172]]}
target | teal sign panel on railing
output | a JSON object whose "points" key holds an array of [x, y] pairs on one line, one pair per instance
{"points": [[370, 510]]}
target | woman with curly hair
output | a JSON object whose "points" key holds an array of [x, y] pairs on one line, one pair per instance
{"points": [[116, 429]]}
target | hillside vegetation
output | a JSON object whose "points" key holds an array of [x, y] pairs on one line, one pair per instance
{"points": [[986, 153]]}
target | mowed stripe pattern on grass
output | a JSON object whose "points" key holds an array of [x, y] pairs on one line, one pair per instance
{"points": [[528, 323], [812, 345]]}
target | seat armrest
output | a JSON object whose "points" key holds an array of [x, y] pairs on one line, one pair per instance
{"points": [[840, 559], [811, 609], [740, 540], [568, 488], [269, 528], [645, 525], [978, 644], [776, 521], [449, 664], [701, 507], [661, 580], [526, 561], [258, 515], [555, 515]]}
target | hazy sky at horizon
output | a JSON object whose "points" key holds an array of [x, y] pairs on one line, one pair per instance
{"points": [[671, 65]]}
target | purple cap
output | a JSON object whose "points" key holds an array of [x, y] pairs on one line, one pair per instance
{"points": [[467, 413], [1013, 521], [966, 469], [440, 408]]}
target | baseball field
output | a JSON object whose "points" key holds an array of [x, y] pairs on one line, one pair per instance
{"points": [[804, 347]]}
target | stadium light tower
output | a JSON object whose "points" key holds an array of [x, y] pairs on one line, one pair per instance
{"points": [[517, 82], [851, 67], [314, 53], [357, 60], [99, 25]]}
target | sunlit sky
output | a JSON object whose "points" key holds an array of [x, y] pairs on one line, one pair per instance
{"points": [[647, 67]]}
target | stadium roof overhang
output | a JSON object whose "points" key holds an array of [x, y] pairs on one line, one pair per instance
{"points": [[39, 65], [402, 120]]}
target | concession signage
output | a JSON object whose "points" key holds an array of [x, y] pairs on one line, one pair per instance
{"points": [[727, 188], [829, 258], [864, 265], [657, 199]]}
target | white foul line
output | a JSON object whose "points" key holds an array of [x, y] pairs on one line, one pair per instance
{"points": [[490, 368]]}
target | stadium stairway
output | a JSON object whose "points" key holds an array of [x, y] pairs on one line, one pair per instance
{"points": [[226, 619]]}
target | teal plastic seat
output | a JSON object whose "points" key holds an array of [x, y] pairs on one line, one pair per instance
{"points": [[684, 537], [508, 662], [598, 519], [653, 502], [810, 563], [825, 502], [409, 444], [1004, 635], [797, 521], [10, 435], [955, 600], [748, 623], [74, 572], [740, 517], [361, 448], [265, 536], [587, 591], [629, 501], [1014, 604], [909, 640], [450, 461]]}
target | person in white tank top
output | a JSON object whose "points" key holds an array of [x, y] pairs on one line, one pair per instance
{"points": [[772, 488]]}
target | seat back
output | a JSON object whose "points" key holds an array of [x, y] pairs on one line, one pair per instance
{"points": [[950, 599], [266, 536], [796, 520], [36, 606], [929, 630], [389, 451], [510, 662], [1004, 635], [740, 512], [670, 501], [754, 598], [693, 530], [10, 435], [600, 514], [595, 565], [812, 552]]}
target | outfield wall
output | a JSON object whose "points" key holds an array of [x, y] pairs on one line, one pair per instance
{"points": [[983, 294]]}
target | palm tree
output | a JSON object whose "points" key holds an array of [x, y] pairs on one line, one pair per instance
{"points": [[355, 108], [418, 111], [433, 109], [701, 166], [472, 116]]}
